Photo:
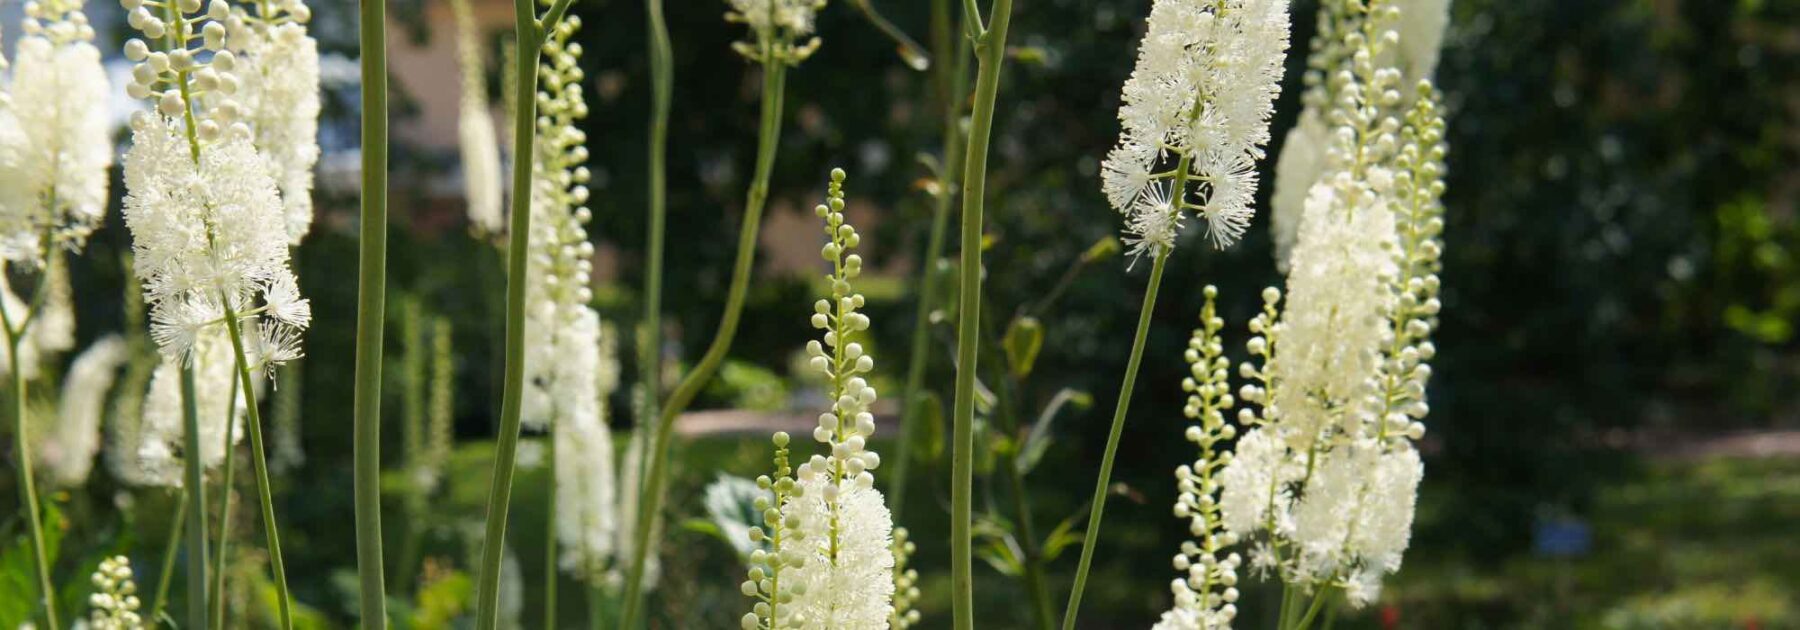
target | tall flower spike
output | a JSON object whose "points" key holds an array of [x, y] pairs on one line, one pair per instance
{"points": [[279, 97], [55, 136], [586, 487], [115, 603], [1206, 594], [840, 524], [1200, 97], [557, 275], [209, 231], [475, 129]]}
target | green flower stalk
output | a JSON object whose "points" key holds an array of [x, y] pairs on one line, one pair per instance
{"points": [[990, 52], [779, 27], [371, 308], [531, 33]]}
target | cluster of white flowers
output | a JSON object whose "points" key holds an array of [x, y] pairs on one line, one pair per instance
{"points": [[114, 604], [557, 273], [1201, 94], [210, 230], [1326, 476], [69, 446], [55, 136], [1420, 30], [1206, 595], [475, 129], [831, 559], [279, 94], [586, 485], [221, 406], [778, 27]]}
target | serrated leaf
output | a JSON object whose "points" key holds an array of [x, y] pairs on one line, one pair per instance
{"points": [[1024, 339]]}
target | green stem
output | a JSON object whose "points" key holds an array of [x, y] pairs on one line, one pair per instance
{"points": [[1312, 611], [196, 484], [952, 72], [1037, 584], [22, 439], [662, 83], [1092, 536], [168, 564], [371, 305], [990, 50], [219, 554], [656, 484], [528, 40], [260, 465]]}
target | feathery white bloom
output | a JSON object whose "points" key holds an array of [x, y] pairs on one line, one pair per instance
{"points": [[1256, 485], [1421, 28], [161, 447], [279, 68], [1358, 507], [475, 129], [776, 25], [56, 174], [69, 446], [855, 587], [1201, 96], [586, 488]]}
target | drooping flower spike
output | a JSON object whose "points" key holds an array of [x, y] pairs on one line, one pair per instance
{"points": [[1195, 116]]}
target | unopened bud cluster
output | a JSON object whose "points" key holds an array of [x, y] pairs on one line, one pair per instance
{"points": [[114, 604], [906, 582]]}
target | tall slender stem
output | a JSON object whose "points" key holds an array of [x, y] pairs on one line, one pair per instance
{"points": [[1092, 535], [225, 484], [656, 484], [662, 86], [371, 307], [952, 78], [528, 41], [22, 441], [990, 49], [168, 562], [260, 465], [196, 485]]}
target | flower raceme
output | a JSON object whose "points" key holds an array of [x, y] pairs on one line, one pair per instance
{"points": [[782, 28], [1200, 96], [55, 136], [279, 93], [829, 561], [475, 129]]}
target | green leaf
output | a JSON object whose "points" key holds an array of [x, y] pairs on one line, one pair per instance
{"points": [[1102, 249], [998, 546], [1024, 338], [1063, 537], [1038, 441]]}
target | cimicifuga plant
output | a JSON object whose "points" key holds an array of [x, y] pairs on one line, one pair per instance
{"points": [[210, 236], [829, 558], [475, 128], [1194, 116], [115, 604], [1302, 161], [1206, 592], [1323, 482], [55, 152], [279, 94], [781, 37]]}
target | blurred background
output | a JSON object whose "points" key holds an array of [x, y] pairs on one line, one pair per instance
{"points": [[1615, 433]]}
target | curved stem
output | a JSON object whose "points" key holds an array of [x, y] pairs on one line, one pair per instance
{"points": [[22, 441], [260, 465], [991, 55], [219, 554], [662, 90], [952, 72], [1312, 611], [1112, 439], [528, 40], [196, 484], [656, 484], [371, 307]]}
